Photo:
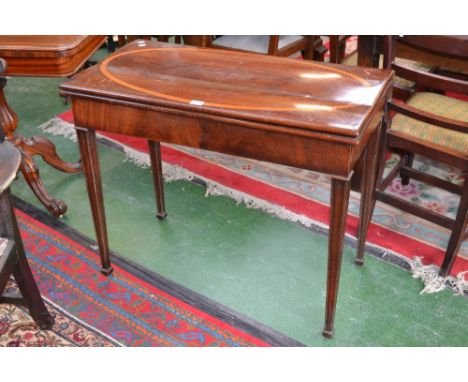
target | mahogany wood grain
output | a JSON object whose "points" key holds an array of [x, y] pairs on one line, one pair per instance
{"points": [[300, 113], [50, 56], [89, 155], [339, 200]]}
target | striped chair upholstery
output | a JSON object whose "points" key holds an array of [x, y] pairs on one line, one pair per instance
{"points": [[440, 105]]}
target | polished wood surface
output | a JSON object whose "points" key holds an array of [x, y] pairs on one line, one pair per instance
{"points": [[303, 114], [54, 56], [195, 79]]}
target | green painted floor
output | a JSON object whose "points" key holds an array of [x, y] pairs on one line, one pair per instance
{"points": [[268, 269]]}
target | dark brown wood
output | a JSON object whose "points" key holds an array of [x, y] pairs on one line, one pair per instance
{"points": [[434, 49], [369, 180], [429, 179], [301, 113], [13, 260], [338, 47], [447, 51], [414, 209], [158, 180], [54, 56], [368, 51], [339, 198], [89, 155], [426, 79]]}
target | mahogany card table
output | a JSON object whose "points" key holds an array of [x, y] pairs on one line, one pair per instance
{"points": [[306, 114], [41, 56]]}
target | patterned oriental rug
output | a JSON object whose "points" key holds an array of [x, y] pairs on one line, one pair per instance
{"points": [[121, 310], [303, 196]]}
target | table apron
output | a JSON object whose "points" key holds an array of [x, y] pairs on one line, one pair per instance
{"points": [[312, 153]]}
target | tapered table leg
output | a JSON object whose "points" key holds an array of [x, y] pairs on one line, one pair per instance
{"points": [[158, 180], [89, 157], [368, 184], [339, 200]]}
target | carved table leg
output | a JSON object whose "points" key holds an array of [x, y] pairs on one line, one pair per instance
{"points": [[89, 155], [30, 171], [46, 150], [158, 180], [338, 212], [29, 148]]}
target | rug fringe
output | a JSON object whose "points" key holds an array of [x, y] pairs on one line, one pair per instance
{"points": [[58, 127], [433, 283], [427, 273]]}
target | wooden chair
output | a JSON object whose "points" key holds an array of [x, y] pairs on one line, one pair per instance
{"points": [[272, 45], [12, 257], [432, 125]]}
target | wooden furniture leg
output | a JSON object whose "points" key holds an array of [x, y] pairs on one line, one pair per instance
{"points": [[334, 49], [458, 234], [368, 184], [339, 200], [29, 148], [368, 52], [21, 271], [89, 155], [408, 163], [158, 179]]}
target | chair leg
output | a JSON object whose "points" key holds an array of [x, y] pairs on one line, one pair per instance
{"points": [[308, 51], [24, 277], [458, 234], [408, 163]]}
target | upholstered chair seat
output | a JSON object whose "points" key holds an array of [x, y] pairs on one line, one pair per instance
{"points": [[440, 105]]}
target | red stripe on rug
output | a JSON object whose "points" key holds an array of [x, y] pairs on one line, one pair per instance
{"points": [[377, 235]]}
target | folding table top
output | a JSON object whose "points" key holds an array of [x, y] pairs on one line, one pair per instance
{"points": [[305, 95], [59, 56]]}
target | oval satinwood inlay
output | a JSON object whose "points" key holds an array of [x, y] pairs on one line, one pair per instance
{"points": [[238, 81]]}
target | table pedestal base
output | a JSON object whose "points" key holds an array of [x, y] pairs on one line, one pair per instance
{"points": [[30, 147]]}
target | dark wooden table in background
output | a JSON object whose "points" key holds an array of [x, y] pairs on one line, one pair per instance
{"points": [[41, 56], [315, 116]]}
